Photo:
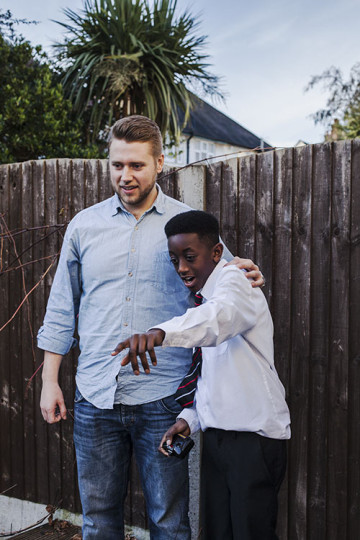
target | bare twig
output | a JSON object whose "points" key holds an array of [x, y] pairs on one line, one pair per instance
{"points": [[209, 159], [34, 244], [26, 264], [28, 294], [8, 489], [31, 378], [16, 232], [23, 286], [49, 508]]}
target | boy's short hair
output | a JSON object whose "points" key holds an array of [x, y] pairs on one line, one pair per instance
{"points": [[205, 225], [138, 128]]}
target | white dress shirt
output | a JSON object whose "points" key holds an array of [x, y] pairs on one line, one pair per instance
{"points": [[239, 388]]}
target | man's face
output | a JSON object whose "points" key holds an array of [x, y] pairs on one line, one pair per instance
{"points": [[193, 259], [133, 171]]}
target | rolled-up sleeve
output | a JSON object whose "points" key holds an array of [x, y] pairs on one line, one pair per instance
{"points": [[57, 333]]}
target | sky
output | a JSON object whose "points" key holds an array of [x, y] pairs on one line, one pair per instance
{"points": [[265, 53]]}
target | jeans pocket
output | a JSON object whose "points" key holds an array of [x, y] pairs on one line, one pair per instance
{"points": [[170, 405], [78, 396]]}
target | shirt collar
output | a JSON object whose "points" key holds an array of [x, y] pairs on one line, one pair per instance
{"points": [[158, 205], [208, 288]]}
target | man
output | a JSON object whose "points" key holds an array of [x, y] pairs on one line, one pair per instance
{"points": [[115, 275]]}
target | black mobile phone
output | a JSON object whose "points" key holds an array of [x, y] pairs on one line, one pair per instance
{"points": [[180, 446]]}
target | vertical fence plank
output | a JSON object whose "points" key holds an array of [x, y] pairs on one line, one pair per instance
{"points": [[167, 180], [353, 507], [77, 186], [16, 376], [300, 331], [213, 190], [77, 177], [39, 302], [229, 201], [320, 303], [339, 351], [281, 305], [91, 184], [5, 338], [27, 337], [264, 218], [68, 367], [246, 206], [191, 186], [105, 188], [51, 248]]}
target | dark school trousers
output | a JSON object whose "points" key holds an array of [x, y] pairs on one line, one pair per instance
{"points": [[241, 474]]}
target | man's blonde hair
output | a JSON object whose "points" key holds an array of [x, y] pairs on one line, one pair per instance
{"points": [[138, 128]]}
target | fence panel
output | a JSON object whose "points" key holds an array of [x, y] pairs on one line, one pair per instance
{"points": [[339, 345], [354, 350], [319, 355], [281, 285], [296, 212]]}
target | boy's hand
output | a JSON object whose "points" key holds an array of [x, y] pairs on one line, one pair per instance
{"points": [[253, 271], [181, 426], [137, 345]]}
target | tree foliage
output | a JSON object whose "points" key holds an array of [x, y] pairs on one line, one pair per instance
{"points": [[126, 56], [36, 121], [343, 103]]}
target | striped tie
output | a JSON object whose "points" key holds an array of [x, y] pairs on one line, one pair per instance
{"points": [[186, 392]]}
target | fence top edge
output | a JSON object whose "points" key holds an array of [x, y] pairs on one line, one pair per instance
{"points": [[208, 162]]}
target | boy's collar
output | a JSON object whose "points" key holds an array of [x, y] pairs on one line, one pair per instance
{"points": [[209, 286]]}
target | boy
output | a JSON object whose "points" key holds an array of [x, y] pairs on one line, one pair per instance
{"points": [[239, 402]]}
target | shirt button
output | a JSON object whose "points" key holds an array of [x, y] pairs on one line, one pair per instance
{"points": [[132, 250], [128, 298], [125, 324], [136, 228], [130, 274]]}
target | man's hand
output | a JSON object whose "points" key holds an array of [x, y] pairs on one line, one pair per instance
{"points": [[181, 426], [253, 271], [137, 345], [52, 403]]}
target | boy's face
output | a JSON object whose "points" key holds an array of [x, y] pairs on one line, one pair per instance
{"points": [[193, 259]]}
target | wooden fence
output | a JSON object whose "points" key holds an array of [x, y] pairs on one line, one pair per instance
{"points": [[296, 212]]}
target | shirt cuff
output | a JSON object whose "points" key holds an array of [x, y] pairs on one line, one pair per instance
{"points": [[171, 339], [55, 345], [189, 414]]}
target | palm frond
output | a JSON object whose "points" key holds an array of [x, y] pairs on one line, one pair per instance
{"points": [[133, 55]]}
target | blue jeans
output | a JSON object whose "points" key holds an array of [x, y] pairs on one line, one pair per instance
{"points": [[104, 440]]}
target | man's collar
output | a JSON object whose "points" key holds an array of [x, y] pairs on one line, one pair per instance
{"points": [[158, 205], [209, 286]]}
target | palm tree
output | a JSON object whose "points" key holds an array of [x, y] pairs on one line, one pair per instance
{"points": [[124, 57]]}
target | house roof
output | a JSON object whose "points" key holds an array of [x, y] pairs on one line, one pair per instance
{"points": [[207, 122]]}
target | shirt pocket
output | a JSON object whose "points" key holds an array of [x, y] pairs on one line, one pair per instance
{"points": [[165, 277]]}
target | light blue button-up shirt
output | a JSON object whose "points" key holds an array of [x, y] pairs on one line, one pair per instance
{"points": [[115, 275]]}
